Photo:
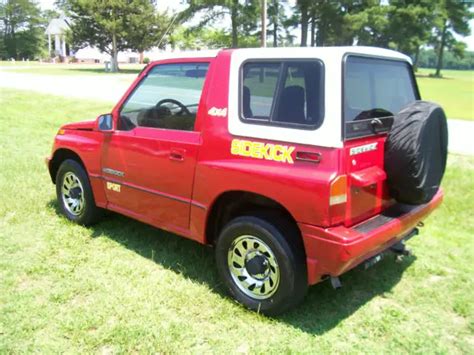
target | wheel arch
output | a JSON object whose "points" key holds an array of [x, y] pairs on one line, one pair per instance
{"points": [[235, 203], [59, 156]]}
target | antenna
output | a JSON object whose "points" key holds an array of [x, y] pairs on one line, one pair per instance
{"points": [[167, 30]]}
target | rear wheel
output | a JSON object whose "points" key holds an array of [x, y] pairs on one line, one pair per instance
{"points": [[261, 261], [74, 194]]}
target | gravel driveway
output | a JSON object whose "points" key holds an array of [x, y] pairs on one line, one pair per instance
{"points": [[112, 87]]}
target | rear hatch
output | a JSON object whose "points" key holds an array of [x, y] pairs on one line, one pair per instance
{"points": [[375, 89]]}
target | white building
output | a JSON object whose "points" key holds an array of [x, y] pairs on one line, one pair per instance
{"points": [[57, 28], [56, 32]]}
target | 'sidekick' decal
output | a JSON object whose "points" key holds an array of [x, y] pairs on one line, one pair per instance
{"points": [[259, 150]]}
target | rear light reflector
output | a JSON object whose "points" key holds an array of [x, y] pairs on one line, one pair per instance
{"points": [[338, 191], [310, 157]]}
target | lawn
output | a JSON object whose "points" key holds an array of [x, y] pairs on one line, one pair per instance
{"points": [[122, 286], [67, 69], [454, 91]]}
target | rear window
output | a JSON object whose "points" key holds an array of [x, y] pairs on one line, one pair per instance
{"points": [[374, 91], [282, 93]]}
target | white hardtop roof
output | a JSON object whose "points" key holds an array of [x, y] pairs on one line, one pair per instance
{"points": [[285, 52], [188, 54], [336, 52]]}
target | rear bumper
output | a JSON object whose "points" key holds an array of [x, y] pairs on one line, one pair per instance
{"points": [[333, 251]]}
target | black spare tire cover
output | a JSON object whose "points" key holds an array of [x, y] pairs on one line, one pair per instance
{"points": [[416, 151]]}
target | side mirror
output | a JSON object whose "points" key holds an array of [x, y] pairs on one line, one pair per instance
{"points": [[106, 123]]}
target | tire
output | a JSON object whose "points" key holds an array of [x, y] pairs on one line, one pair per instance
{"points": [[416, 152], [275, 263], [74, 194]]}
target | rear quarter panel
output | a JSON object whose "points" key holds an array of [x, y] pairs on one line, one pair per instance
{"points": [[302, 187]]}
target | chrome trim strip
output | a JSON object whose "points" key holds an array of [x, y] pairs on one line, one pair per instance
{"points": [[179, 199], [113, 172]]}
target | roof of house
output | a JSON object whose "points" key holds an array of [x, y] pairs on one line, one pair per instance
{"points": [[57, 26]]}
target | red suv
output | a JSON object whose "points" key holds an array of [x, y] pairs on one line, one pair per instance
{"points": [[296, 164]]}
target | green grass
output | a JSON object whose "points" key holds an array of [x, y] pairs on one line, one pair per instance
{"points": [[454, 91], [67, 69], [122, 286]]}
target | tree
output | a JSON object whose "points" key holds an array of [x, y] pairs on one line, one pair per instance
{"points": [[410, 26], [3, 49], [279, 24], [328, 24], [115, 25], [452, 16], [304, 7], [428, 59], [370, 25], [22, 29], [337, 22], [243, 16]]}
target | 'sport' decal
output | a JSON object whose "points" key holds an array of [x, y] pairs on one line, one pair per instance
{"points": [[363, 148], [113, 186], [259, 150]]}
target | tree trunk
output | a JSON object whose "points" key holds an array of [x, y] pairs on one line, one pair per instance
{"points": [[275, 23], [417, 57], [313, 28], [13, 42], [304, 27], [439, 65], [233, 18], [263, 39], [275, 34], [114, 64]]}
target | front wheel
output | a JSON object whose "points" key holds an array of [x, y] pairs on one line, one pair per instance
{"points": [[74, 194], [261, 261]]}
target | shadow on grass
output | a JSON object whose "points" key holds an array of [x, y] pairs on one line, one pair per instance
{"points": [[433, 76], [102, 71], [323, 308]]}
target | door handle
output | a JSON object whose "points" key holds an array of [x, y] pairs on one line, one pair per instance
{"points": [[177, 154]]}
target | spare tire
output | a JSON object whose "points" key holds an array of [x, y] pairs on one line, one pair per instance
{"points": [[416, 152]]}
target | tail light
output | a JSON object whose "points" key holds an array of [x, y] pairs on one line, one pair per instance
{"points": [[337, 200], [338, 191]]}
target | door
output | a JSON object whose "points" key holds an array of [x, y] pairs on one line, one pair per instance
{"points": [[148, 162]]}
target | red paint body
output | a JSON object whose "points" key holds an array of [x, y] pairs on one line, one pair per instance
{"points": [[172, 179]]}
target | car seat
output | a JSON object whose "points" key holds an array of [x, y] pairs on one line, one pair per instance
{"points": [[291, 106]]}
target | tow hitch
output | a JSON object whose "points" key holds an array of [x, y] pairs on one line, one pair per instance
{"points": [[373, 260], [399, 249]]}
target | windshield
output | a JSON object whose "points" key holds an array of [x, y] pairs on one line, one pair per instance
{"points": [[375, 89]]}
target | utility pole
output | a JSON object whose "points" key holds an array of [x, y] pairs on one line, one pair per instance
{"points": [[263, 41]]}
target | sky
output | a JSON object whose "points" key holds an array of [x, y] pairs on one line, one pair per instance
{"points": [[173, 5]]}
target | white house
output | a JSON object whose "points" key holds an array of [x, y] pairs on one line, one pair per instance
{"points": [[57, 28]]}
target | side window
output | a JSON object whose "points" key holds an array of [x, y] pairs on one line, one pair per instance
{"points": [[283, 93], [259, 88], [167, 98]]}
